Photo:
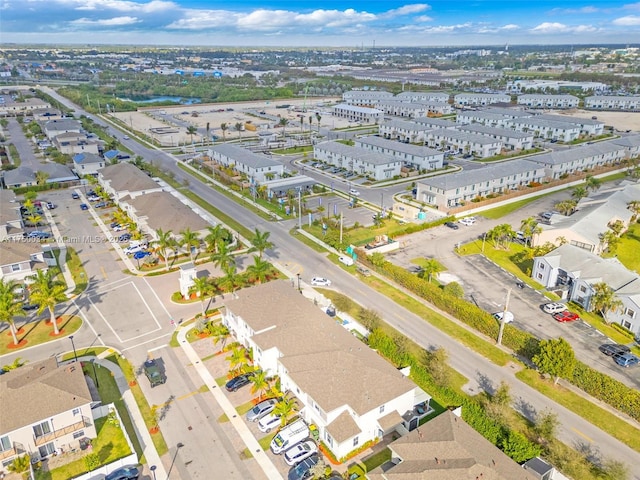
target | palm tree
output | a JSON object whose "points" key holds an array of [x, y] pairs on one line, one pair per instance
{"points": [[634, 206], [33, 218], [220, 333], [617, 226], [165, 245], [286, 407], [201, 287], [431, 267], [592, 183], [530, 227], [501, 235], [191, 130], [229, 281], [10, 305], [260, 242], [579, 192], [222, 258], [259, 270], [190, 240], [604, 299], [217, 235], [318, 118], [41, 177], [259, 384], [567, 207], [237, 360], [20, 465], [47, 292], [238, 127], [224, 127], [283, 123], [609, 241]]}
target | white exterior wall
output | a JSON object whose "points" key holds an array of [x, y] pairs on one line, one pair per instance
{"points": [[548, 101], [402, 134], [87, 168], [20, 270], [628, 315], [358, 114], [481, 98], [258, 174], [566, 134], [612, 103], [482, 150], [378, 172]]}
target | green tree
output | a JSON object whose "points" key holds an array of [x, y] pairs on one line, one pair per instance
{"points": [[164, 244], [556, 358], [190, 240], [17, 363], [259, 384], [283, 123], [216, 236], [259, 270], [430, 268], [566, 207], [437, 363], [454, 289], [202, 287], [224, 127], [10, 305], [615, 470], [237, 360], [238, 126], [592, 183], [378, 259], [369, 318], [501, 236], [230, 279], [579, 192], [546, 426], [318, 118], [604, 299], [191, 131], [20, 464], [516, 446], [220, 333], [634, 206], [286, 408], [260, 242], [222, 258], [41, 177], [530, 228], [47, 292], [617, 227]]}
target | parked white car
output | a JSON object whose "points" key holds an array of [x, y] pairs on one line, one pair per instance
{"points": [[508, 316], [554, 307], [268, 423], [468, 221], [348, 261], [320, 282], [131, 249], [354, 192], [299, 452]]}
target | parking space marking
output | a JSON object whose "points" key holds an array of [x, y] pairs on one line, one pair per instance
{"points": [[157, 298], [105, 320], [104, 272], [148, 307]]}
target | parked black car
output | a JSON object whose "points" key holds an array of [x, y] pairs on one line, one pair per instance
{"points": [[124, 473], [238, 382], [611, 349], [302, 471], [452, 225]]}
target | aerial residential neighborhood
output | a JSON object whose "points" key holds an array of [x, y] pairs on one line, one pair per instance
{"points": [[331, 263]]}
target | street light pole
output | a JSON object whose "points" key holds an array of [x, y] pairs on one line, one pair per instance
{"points": [[75, 355], [178, 447], [299, 282], [153, 470], [95, 375]]}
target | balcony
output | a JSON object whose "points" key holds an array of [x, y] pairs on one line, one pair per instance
{"points": [[18, 449], [61, 432]]}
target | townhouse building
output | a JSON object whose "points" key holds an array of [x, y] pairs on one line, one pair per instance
{"points": [[548, 129], [488, 118], [588, 126], [26, 106], [435, 122], [510, 139], [354, 113], [256, 166], [359, 160], [365, 97], [480, 99], [612, 102], [71, 143], [126, 180], [630, 143], [447, 191], [404, 131], [417, 157], [436, 97], [53, 128], [464, 142], [342, 386], [535, 100], [578, 159], [20, 259], [413, 109], [88, 163], [11, 224], [571, 272]]}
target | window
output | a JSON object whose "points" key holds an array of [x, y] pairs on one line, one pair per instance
{"points": [[78, 434], [329, 439], [355, 441], [5, 443], [539, 276], [542, 266], [76, 411], [41, 429], [47, 450], [15, 267], [583, 289], [630, 313], [381, 408]]}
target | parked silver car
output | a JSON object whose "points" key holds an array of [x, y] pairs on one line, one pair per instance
{"points": [[261, 409]]}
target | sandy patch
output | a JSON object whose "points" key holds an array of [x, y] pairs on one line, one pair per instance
{"points": [[619, 120]]}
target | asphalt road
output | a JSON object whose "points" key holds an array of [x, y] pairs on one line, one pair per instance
{"points": [[574, 430]]}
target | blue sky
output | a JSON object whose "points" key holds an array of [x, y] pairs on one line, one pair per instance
{"points": [[318, 23]]}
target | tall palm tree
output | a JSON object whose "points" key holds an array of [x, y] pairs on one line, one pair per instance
{"points": [[202, 287], [223, 128], [530, 227], [318, 118], [190, 240], [283, 123], [579, 192], [634, 206], [286, 407], [191, 130], [222, 258], [47, 292], [216, 236], [220, 333], [238, 127], [604, 299], [592, 183], [164, 245], [501, 235], [259, 270], [566, 207], [41, 177], [259, 384], [237, 360], [10, 305], [260, 242], [229, 281], [431, 267]]}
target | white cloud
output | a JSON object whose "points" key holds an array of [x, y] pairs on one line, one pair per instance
{"points": [[505, 28], [153, 6], [107, 22], [423, 18], [628, 21], [406, 10], [555, 27]]}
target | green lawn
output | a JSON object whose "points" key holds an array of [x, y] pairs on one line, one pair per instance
{"points": [[628, 248], [77, 271], [37, 333]]}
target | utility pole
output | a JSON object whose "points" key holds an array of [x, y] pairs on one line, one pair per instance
{"points": [[504, 316], [341, 228], [300, 208]]}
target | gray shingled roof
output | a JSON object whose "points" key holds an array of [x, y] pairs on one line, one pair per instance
{"points": [[568, 119], [125, 177], [541, 122], [465, 136], [18, 176], [438, 122], [484, 174], [326, 361], [577, 153], [167, 212], [244, 156], [406, 125], [38, 391], [361, 154], [630, 142], [499, 132], [402, 147]]}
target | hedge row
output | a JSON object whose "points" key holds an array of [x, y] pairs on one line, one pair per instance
{"points": [[595, 383]]}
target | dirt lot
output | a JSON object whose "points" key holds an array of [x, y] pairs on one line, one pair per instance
{"points": [[618, 120]]}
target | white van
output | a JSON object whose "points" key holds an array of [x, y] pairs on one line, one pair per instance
{"points": [[348, 261], [289, 436]]}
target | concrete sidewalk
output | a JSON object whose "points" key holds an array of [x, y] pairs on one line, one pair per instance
{"points": [[236, 420], [62, 257]]}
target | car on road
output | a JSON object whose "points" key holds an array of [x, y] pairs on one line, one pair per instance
{"points": [[554, 307], [51, 205], [125, 237], [354, 192], [467, 221], [566, 316], [302, 471], [299, 452], [320, 282], [238, 382], [452, 225], [260, 410], [125, 137], [610, 349], [39, 234], [348, 261], [93, 198], [153, 373], [84, 206], [75, 196], [508, 316], [269, 422], [626, 359], [124, 473]]}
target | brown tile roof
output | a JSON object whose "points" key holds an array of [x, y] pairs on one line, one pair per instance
{"points": [[343, 427], [18, 251], [39, 391], [167, 212], [9, 207], [447, 448], [324, 359], [390, 420], [125, 177]]}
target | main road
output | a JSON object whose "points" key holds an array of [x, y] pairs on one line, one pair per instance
{"points": [[482, 374]]}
